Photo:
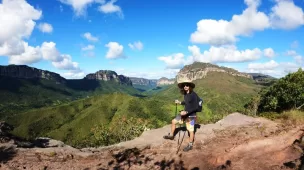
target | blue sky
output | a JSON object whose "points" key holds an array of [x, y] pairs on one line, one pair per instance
{"points": [[152, 38]]}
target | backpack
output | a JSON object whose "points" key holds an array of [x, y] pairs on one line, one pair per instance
{"points": [[200, 104]]}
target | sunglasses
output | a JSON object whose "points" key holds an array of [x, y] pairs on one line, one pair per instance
{"points": [[188, 85]]}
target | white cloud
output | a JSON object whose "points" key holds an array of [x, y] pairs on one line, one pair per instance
{"points": [[291, 53], [223, 32], [299, 59], [17, 21], [66, 63], [263, 66], [136, 45], [273, 68], [90, 37], [61, 61], [88, 48], [29, 56], [109, 7], [286, 15], [174, 61], [73, 74], [13, 46], [115, 50], [223, 54], [45, 27], [269, 52], [79, 6], [169, 73], [50, 52]]}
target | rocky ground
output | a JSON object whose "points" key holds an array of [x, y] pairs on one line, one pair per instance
{"points": [[237, 142]]}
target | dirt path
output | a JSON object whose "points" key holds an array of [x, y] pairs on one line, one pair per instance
{"points": [[236, 142]]}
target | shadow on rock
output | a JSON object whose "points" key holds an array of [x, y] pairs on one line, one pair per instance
{"points": [[171, 164], [6, 153], [128, 158]]}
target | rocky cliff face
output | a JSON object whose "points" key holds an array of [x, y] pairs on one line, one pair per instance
{"points": [[108, 75], [143, 81], [199, 70], [165, 81], [23, 71]]}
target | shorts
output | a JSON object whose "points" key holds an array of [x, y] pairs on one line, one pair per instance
{"points": [[190, 122]]}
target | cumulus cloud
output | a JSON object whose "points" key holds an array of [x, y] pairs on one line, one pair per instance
{"points": [[60, 61], [299, 59], [223, 54], [29, 56], [291, 53], [110, 7], [263, 66], [269, 52], [66, 63], [50, 52], [17, 21], [79, 6], [136, 45], [273, 68], [174, 61], [156, 74], [88, 48], [284, 15], [90, 37], [115, 51], [45, 27], [223, 32], [73, 74]]}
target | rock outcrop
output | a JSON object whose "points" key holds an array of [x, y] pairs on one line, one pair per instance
{"points": [[236, 142], [108, 75], [143, 81], [199, 70], [165, 81], [23, 71]]}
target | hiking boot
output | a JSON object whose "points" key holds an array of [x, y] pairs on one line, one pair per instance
{"points": [[188, 148], [171, 137]]}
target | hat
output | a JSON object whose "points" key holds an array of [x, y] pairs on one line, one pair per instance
{"points": [[184, 80]]}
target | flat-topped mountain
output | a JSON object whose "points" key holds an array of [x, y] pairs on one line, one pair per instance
{"points": [[108, 75], [143, 81], [165, 81], [199, 70], [24, 71]]}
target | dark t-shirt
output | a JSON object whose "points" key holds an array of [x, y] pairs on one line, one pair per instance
{"points": [[191, 103]]}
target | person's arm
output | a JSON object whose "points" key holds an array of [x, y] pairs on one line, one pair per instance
{"points": [[180, 102]]}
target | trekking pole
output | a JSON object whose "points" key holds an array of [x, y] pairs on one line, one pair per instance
{"points": [[175, 109], [180, 143], [178, 123]]}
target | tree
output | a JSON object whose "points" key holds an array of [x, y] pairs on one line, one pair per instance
{"points": [[287, 93]]}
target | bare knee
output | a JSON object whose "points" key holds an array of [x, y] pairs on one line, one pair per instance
{"points": [[173, 121]]}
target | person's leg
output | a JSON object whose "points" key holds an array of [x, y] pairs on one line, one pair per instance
{"points": [[174, 121], [173, 126], [190, 127]]}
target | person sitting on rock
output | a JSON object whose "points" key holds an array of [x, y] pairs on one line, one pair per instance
{"points": [[188, 115]]}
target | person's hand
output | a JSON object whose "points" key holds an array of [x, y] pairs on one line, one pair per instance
{"points": [[183, 113], [177, 102]]}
